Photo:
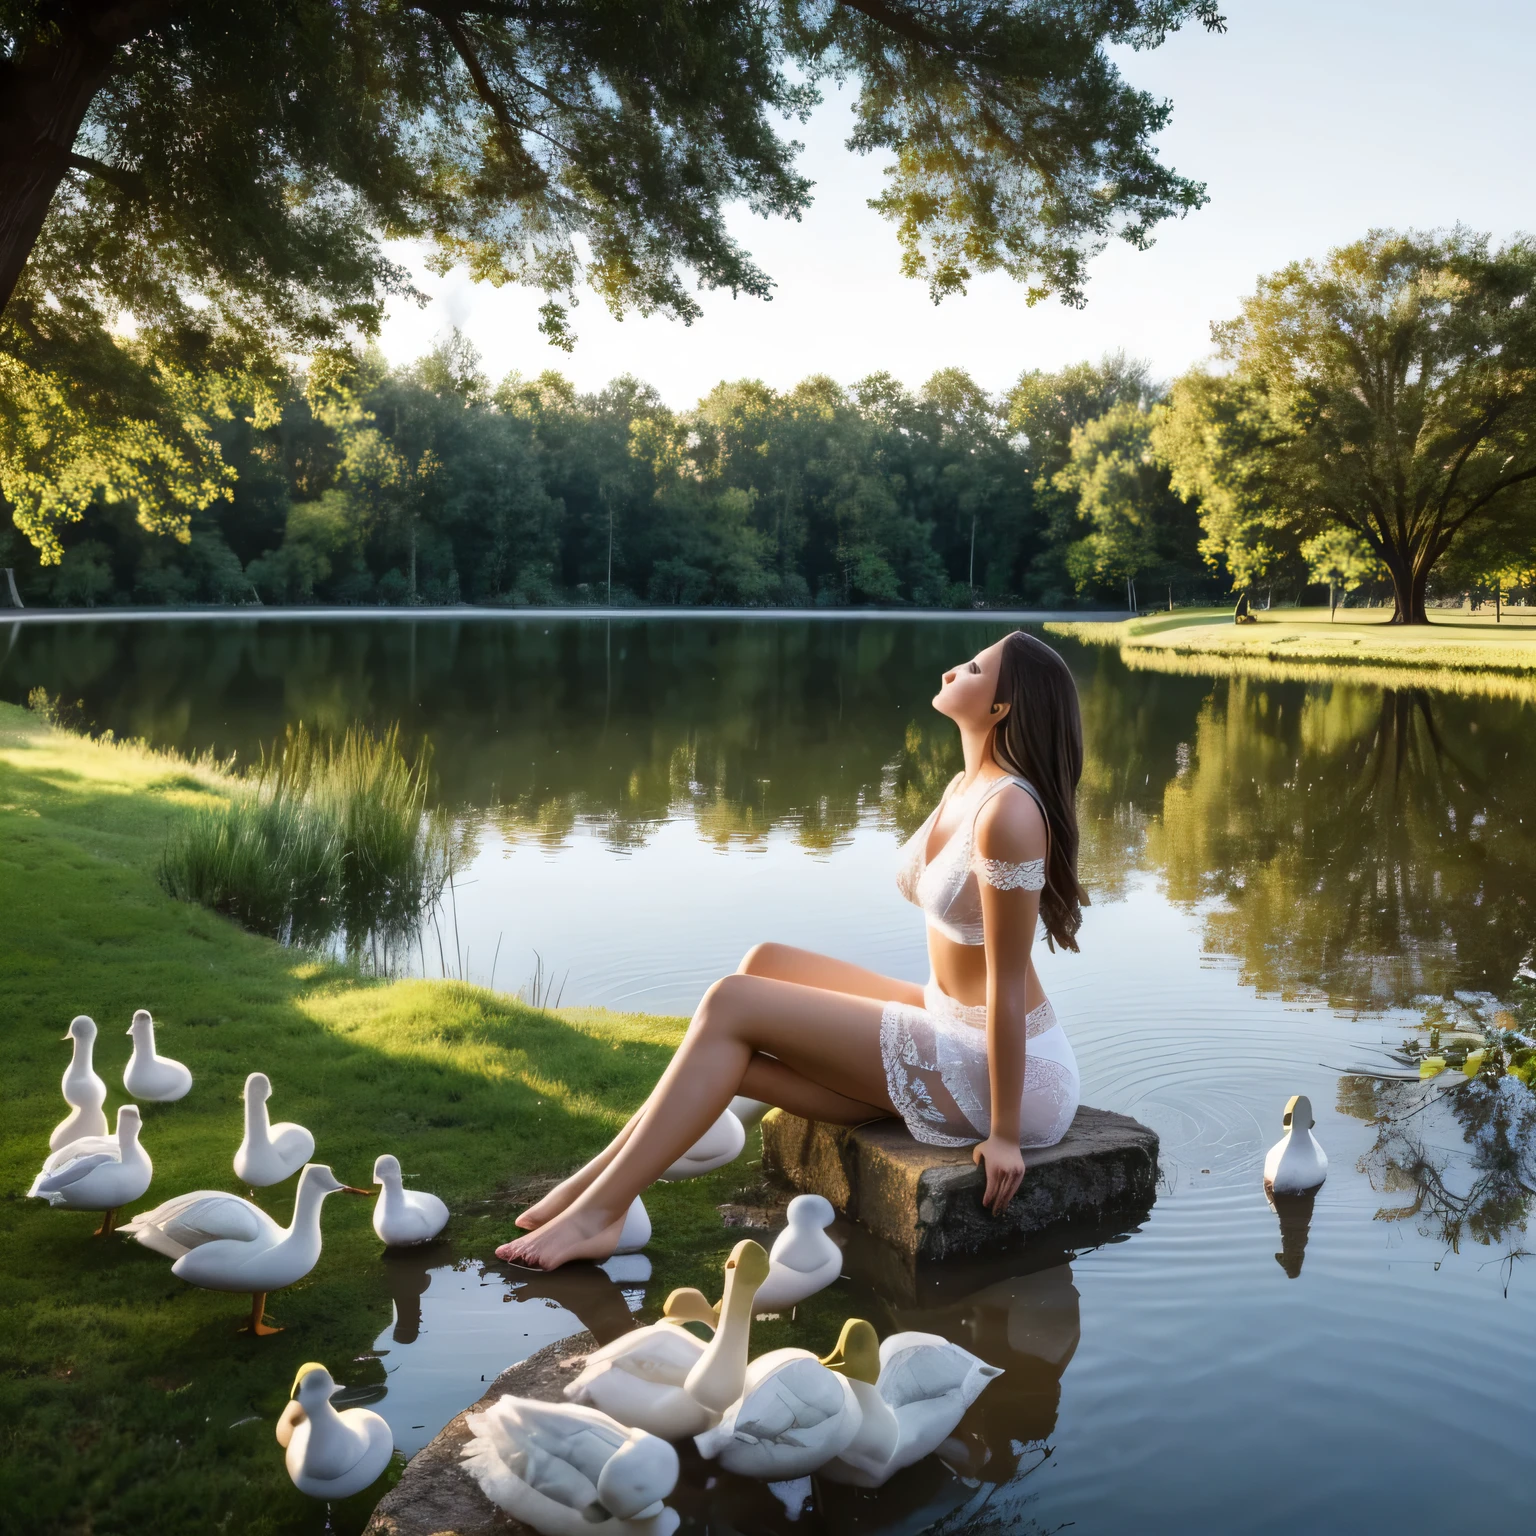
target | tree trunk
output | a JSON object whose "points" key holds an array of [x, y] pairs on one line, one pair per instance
{"points": [[45, 91]]}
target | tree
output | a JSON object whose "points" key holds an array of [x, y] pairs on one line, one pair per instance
{"points": [[1044, 410], [1389, 391], [1341, 558], [1133, 522], [223, 176]]}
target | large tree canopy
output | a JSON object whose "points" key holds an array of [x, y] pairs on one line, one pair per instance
{"points": [[1389, 391], [189, 188]]}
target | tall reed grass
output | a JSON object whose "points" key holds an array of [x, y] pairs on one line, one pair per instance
{"points": [[322, 840]]}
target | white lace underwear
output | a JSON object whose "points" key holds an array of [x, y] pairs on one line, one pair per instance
{"points": [[936, 1072]]}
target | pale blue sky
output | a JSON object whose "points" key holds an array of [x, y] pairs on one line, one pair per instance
{"points": [[1310, 122]]}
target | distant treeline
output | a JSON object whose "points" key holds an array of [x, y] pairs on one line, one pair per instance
{"points": [[426, 484]]}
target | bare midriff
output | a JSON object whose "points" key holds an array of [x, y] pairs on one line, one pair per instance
{"points": [[961, 972]]}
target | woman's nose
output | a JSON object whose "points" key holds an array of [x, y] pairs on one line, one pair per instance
{"points": [[949, 677]]}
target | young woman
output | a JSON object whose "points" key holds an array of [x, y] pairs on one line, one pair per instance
{"points": [[974, 1057]]}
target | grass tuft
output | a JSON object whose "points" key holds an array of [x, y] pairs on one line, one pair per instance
{"points": [[322, 839]]}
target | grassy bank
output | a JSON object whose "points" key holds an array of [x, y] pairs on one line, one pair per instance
{"points": [[1455, 649], [129, 1401]]}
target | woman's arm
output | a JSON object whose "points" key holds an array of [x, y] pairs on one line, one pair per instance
{"points": [[1010, 831]]}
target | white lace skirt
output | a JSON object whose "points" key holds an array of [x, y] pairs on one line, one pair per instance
{"points": [[936, 1073]]}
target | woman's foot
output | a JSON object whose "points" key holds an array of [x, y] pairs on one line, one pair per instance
{"points": [[564, 1238], [558, 1199]]}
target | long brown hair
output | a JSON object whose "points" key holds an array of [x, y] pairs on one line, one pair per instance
{"points": [[1041, 739]]}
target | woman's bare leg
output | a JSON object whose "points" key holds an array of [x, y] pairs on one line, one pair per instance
{"points": [[780, 962], [827, 1038], [783, 962]]}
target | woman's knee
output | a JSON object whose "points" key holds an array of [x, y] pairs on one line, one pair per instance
{"points": [[766, 959], [724, 1005]]}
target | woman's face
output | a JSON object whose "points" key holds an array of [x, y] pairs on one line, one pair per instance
{"points": [[968, 691]]}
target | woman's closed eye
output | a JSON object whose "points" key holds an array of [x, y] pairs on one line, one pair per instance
{"points": [[974, 667]]}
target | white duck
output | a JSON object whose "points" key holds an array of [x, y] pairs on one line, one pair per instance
{"points": [[748, 1111], [636, 1231], [639, 1378], [223, 1243], [803, 1259], [269, 1153], [84, 1092], [331, 1454], [719, 1145], [148, 1076], [404, 1217], [567, 1470], [1296, 1163], [795, 1414], [98, 1173], [912, 1390]]}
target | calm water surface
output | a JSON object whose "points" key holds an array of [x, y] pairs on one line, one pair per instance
{"points": [[1286, 879]]}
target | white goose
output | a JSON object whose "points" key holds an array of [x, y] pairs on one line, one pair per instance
{"points": [[223, 1243], [639, 1378], [155, 1079], [1296, 1163], [803, 1259], [269, 1153], [719, 1145], [795, 1414], [912, 1390], [98, 1173], [330, 1454], [404, 1217], [84, 1092], [567, 1470]]}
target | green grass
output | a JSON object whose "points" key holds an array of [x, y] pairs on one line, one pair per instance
{"points": [[122, 1389], [1455, 649]]}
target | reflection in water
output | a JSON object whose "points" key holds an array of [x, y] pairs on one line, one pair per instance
{"points": [[1295, 1213]]}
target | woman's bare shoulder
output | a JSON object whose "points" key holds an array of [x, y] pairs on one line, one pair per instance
{"points": [[1011, 827]]}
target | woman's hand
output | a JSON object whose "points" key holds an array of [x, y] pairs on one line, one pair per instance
{"points": [[1004, 1165]]}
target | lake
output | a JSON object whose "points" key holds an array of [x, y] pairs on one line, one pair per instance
{"points": [[1289, 880]]}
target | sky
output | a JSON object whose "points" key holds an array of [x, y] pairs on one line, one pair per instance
{"points": [[1309, 122]]}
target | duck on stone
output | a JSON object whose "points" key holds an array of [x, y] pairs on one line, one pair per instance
{"points": [[98, 1173], [803, 1259], [330, 1454], [269, 1153], [153, 1078], [568, 1470], [1296, 1163], [642, 1379], [84, 1091]]}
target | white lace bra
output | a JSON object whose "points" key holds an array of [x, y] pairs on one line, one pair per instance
{"points": [[947, 889]]}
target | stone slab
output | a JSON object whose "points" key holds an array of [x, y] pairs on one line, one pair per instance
{"points": [[926, 1201], [435, 1496]]}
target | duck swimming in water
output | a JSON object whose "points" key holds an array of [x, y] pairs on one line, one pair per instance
{"points": [[1296, 1163]]}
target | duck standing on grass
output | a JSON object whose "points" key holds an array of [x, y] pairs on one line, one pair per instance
{"points": [[98, 1173], [803, 1259], [84, 1091], [269, 1153], [223, 1243], [149, 1076]]}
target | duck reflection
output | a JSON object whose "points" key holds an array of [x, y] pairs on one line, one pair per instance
{"points": [[1295, 1213], [409, 1271]]}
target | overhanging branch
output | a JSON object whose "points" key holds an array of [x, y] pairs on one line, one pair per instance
{"points": [[114, 175]]}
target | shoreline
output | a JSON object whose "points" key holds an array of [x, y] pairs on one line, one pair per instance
{"points": [[1304, 644], [256, 615]]}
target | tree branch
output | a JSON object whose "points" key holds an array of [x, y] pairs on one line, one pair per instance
{"points": [[897, 21], [126, 181]]}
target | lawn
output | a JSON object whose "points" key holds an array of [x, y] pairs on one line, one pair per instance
{"points": [[122, 1391], [1453, 642]]}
